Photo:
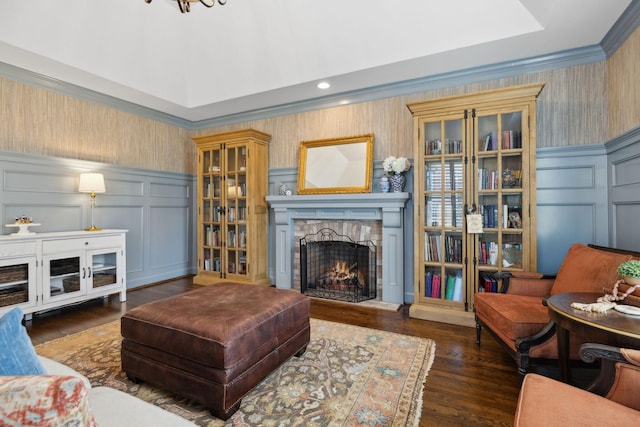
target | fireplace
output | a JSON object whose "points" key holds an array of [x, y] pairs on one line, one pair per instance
{"points": [[333, 266], [344, 212]]}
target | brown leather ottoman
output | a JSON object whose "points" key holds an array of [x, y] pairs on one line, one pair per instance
{"points": [[214, 344]]}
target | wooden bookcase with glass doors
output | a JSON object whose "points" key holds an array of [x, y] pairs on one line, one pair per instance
{"points": [[474, 154], [232, 210]]}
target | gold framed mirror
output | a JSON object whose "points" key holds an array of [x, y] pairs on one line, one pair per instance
{"points": [[336, 165]]}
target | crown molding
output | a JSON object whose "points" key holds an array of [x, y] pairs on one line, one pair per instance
{"points": [[628, 22], [624, 27], [501, 70]]}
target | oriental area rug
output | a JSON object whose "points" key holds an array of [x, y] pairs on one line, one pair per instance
{"points": [[349, 376]]}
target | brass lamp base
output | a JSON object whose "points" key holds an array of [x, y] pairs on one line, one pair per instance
{"points": [[93, 228]]}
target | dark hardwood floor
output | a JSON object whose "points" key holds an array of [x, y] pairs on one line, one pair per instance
{"points": [[466, 386]]}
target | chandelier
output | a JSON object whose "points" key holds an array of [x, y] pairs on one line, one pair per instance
{"points": [[185, 5]]}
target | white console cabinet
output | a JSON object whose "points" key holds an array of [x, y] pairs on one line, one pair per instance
{"points": [[43, 271]]}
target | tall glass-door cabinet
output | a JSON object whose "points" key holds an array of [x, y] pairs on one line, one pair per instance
{"points": [[232, 210], [474, 154]]}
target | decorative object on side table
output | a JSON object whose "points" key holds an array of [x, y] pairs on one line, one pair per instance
{"points": [[625, 287], [23, 223], [630, 272], [395, 168], [92, 183]]}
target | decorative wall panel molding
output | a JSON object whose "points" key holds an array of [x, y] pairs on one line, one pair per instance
{"points": [[156, 207]]}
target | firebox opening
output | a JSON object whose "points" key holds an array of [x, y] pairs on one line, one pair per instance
{"points": [[335, 267]]}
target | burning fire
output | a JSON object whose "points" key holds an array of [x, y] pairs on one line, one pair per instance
{"points": [[343, 274]]}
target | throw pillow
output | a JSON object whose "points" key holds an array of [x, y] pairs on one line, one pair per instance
{"points": [[44, 400], [586, 269], [17, 355]]}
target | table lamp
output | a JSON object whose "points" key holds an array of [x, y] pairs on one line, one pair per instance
{"points": [[91, 183]]}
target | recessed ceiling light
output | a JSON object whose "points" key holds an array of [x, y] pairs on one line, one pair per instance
{"points": [[324, 85]]}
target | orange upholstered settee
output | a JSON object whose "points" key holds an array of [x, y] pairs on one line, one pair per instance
{"points": [[518, 317], [612, 400]]}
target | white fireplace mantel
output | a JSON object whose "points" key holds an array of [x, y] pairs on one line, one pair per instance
{"points": [[386, 207]]}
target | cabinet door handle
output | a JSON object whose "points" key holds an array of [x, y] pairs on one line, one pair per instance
{"points": [[84, 272], [89, 268]]}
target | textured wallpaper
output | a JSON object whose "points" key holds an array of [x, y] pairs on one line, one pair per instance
{"points": [[574, 108]]}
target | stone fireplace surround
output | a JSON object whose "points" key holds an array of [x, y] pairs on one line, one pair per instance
{"points": [[388, 208]]}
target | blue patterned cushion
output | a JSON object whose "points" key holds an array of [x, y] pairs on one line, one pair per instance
{"points": [[17, 355]]}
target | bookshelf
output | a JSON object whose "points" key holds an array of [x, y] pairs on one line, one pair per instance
{"points": [[232, 210], [473, 154]]}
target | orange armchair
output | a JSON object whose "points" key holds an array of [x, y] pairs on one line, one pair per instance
{"points": [[613, 399], [520, 321]]}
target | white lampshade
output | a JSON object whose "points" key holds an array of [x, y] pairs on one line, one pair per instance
{"points": [[91, 183]]}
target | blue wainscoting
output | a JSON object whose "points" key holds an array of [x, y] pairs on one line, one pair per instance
{"points": [[586, 194], [623, 158], [158, 209], [571, 201]]}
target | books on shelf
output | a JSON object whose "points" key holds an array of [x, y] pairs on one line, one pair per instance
{"points": [[453, 248], [435, 286], [438, 286], [451, 282], [432, 247], [488, 283], [433, 283], [489, 215], [457, 290], [490, 141], [511, 139], [435, 251], [487, 179], [436, 146], [488, 254], [211, 236]]}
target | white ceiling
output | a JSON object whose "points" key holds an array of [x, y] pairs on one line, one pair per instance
{"points": [[256, 54]]}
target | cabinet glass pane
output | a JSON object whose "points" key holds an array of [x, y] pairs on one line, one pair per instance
{"points": [[511, 253], [104, 269], [488, 175], [448, 176], [65, 275], [488, 133], [211, 259], [242, 262], [211, 186], [453, 248], [444, 210], [14, 284], [433, 246], [443, 137], [211, 161], [487, 282], [512, 211], [232, 159], [490, 209], [511, 130], [512, 171], [433, 282], [488, 249], [452, 285]]}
